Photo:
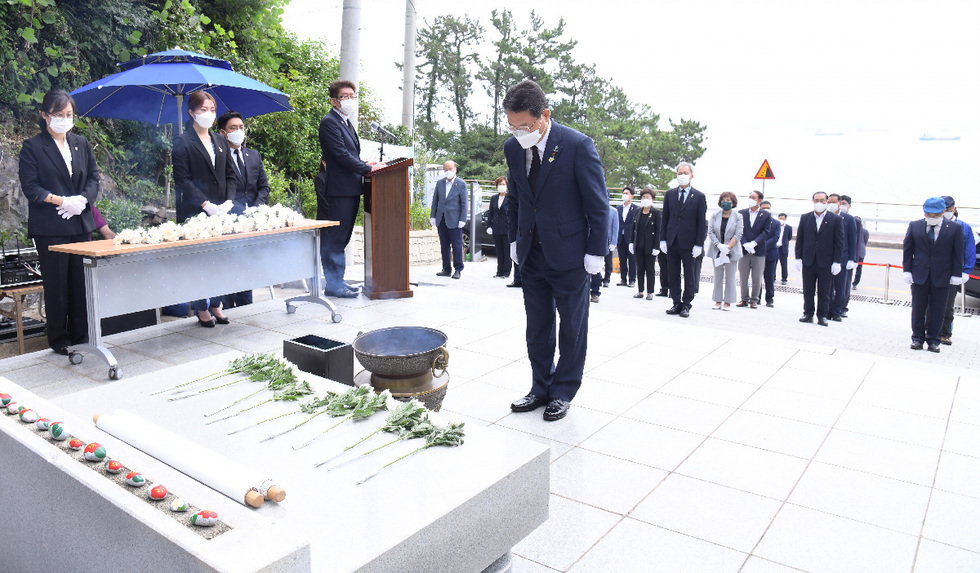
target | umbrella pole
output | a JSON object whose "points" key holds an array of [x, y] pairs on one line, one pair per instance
{"points": [[180, 131]]}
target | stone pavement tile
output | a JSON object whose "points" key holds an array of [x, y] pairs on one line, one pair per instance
{"points": [[934, 404], [913, 376], [680, 413], [968, 386], [885, 502], [41, 373], [515, 375], [631, 370], [473, 365], [816, 541], [460, 336], [222, 331], [520, 564], [479, 400], [880, 456], [608, 397], [636, 546], [936, 557], [894, 425], [309, 326], [679, 358], [263, 341], [759, 565], [757, 348], [795, 406], [708, 511], [816, 383], [709, 389], [576, 474], [966, 410], [962, 439], [852, 364], [643, 443], [557, 448], [571, 530], [161, 347], [509, 344], [952, 519], [959, 474], [772, 433], [210, 351], [744, 468], [738, 368], [579, 424]]}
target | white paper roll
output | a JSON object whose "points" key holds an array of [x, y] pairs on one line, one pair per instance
{"points": [[206, 466]]}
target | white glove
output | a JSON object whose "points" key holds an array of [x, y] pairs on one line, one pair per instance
{"points": [[211, 209], [957, 281], [724, 248], [489, 230], [632, 252], [74, 205], [226, 206], [696, 251], [513, 251], [612, 247], [851, 265], [835, 269], [655, 252], [965, 278], [462, 224], [799, 265], [432, 222], [663, 246], [750, 246], [907, 277], [594, 264]]}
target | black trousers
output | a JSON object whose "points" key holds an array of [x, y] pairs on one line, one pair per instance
{"points": [[333, 240], [627, 262], [662, 263], [452, 239], [63, 278], [784, 263], [502, 246], [857, 272], [928, 310], [682, 259], [646, 268], [545, 291], [816, 278], [947, 329], [609, 265], [769, 279], [595, 281]]}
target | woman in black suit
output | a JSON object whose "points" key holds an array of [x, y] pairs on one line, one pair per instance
{"points": [[497, 227], [645, 243], [205, 181], [60, 179]]}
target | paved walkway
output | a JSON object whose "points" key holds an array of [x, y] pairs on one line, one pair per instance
{"points": [[732, 442]]}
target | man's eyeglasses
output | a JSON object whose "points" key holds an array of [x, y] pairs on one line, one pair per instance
{"points": [[524, 128], [345, 97]]}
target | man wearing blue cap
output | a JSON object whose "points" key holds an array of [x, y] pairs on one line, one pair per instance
{"points": [[969, 260], [932, 260]]}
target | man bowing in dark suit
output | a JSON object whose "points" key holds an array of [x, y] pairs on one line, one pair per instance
{"points": [[448, 215], [557, 221], [932, 258], [685, 228], [340, 150], [819, 253]]}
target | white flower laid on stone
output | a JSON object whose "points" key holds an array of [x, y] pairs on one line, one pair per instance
{"points": [[262, 218]]}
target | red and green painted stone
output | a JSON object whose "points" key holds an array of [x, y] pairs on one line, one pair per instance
{"points": [[204, 518], [58, 431], [113, 466], [5, 399], [43, 424], [135, 479], [14, 408], [178, 505], [94, 452], [28, 416], [157, 492], [76, 444]]}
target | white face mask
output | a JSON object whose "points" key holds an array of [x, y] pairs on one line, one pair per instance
{"points": [[948, 215], [501, 189], [844, 209], [348, 107], [819, 207], [684, 180], [237, 137], [647, 202], [61, 124], [933, 221], [752, 203], [832, 207], [450, 175], [526, 139], [627, 197], [205, 120]]}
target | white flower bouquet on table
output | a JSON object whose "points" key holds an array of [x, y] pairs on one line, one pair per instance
{"points": [[262, 218]]}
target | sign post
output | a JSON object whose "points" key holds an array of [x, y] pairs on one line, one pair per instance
{"points": [[764, 172]]}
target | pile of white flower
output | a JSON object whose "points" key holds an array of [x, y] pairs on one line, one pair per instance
{"points": [[262, 218]]}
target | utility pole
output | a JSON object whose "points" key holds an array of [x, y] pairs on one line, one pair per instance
{"points": [[408, 70], [350, 44]]}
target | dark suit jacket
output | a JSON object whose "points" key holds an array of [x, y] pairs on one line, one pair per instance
{"points": [[772, 243], [824, 247], [758, 232], [650, 239], [850, 237], [340, 149], [684, 225], [784, 241], [452, 208], [938, 262], [196, 180], [496, 217], [43, 171], [570, 208], [862, 239], [254, 189], [626, 226]]}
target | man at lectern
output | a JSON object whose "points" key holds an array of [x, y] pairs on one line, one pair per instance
{"points": [[340, 149]]}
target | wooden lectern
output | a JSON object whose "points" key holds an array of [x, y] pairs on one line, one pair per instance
{"points": [[386, 201]]}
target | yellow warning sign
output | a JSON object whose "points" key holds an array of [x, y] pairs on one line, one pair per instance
{"points": [[765, 172]]}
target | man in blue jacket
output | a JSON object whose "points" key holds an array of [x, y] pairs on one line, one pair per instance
{"points": [[557, 211], [969, 261], [772, 256]]}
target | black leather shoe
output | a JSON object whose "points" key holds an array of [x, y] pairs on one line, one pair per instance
{"points": [[917, 345], [836, 318], [605, 284], [822, 321], [933, 347], [769, 305], [685, 312], [206, 323], [843, 315], [631, 284], [556, 410], [806, 318], [342, 294], [528, 403], [663, 293], [515, 285], [501, 276], [676, 309], [621, 283], [61, 350], [222, 320], [444, 273], [948, 341], [456, 275]]}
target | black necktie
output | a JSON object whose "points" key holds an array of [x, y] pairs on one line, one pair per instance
{"points": [[683, 196], [357, 140], [241, 164], [931, 233], [532, 175]]}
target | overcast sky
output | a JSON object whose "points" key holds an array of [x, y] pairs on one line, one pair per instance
{"points": [[763, 75]]}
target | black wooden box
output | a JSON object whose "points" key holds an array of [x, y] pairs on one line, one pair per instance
{"points": [[322, 357]]}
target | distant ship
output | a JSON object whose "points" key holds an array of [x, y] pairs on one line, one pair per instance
{"points": [[931, 137]]}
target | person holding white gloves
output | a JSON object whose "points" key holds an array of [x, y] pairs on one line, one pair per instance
{"points": [[448, 215], [685, 228], [932, 260], [645, 243], [725, 236], [752, 264], [819, 252]]}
